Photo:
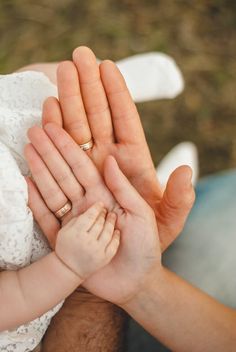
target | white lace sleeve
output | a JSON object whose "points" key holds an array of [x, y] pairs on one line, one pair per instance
{"points": [[21, 242]]}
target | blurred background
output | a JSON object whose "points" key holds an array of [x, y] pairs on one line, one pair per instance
{"points": [[198, 34]]}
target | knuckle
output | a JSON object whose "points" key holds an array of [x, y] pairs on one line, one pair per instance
{"points": [[53, 198], [98, 109], [64, 177], [45, 153], [76, 197], [127, 114], [78, 165], [43, 217], [76, 125]]}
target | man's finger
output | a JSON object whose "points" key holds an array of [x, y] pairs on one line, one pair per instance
{"points": [[94, 96], [51, 112], [175, 205], [74, 116], [125, 117]]}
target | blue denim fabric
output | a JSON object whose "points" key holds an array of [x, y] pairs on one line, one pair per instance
{"points": [[205, 252]]}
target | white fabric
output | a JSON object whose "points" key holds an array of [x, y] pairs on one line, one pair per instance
{"points": [[21, 242], [151, 76], [184, 153]]}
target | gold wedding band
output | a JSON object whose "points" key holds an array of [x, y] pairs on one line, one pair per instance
{"points": [[86, 146], [64, 210]]}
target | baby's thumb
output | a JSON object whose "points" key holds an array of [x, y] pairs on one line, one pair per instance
{"points": [[124, 193]]}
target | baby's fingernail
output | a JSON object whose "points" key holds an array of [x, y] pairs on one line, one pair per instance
{"points": [[112, 215], [100, 204], [104, 211]]}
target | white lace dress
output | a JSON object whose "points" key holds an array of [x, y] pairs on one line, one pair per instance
{"points": [[21, 242]]}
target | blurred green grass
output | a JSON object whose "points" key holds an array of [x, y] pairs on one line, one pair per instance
{"points": [[199, 34]]}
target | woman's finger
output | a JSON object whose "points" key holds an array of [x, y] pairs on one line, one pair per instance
{"points": [[74, 116], [93, 94], [44, 217], [125, 194], [57, 166], [50, 191], [78, 161]]}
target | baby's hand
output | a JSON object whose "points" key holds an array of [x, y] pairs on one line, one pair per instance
{"points": [[88, 242]]}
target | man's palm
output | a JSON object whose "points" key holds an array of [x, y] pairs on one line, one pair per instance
{"points": [[95, 103]]}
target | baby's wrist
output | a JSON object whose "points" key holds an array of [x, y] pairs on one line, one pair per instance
{"points": [[67, 269]]}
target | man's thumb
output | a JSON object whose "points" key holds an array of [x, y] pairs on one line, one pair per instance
{"points": [[175, 205]]}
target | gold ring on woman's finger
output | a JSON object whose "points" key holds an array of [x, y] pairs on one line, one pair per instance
{"points": [[87, 146], [64, 210]]}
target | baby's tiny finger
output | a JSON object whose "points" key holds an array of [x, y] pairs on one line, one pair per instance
{"points": [[113, 246], [88, 218], [108, 229], [97, 227]]}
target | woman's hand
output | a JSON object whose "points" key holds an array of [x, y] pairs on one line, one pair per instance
{"points": [[95, 103], [139, 255], [139, 251], [62, 172]]}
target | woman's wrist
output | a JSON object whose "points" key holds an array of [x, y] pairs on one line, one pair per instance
{"points": [[153, 286]]}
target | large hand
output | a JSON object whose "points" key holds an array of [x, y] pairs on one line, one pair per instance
{"points": [[95, 102]]}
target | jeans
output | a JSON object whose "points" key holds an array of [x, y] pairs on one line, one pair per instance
{"points": [[205, 252]]}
